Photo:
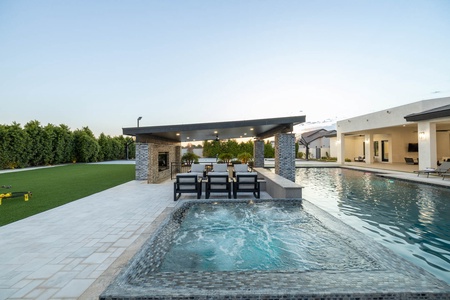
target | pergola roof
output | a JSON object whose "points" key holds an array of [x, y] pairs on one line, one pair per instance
{"points": [[260, 128]]}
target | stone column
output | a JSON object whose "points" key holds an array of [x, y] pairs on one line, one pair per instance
{"points": [[285, 155], [178, 158], [258, 154], [142, 161]]}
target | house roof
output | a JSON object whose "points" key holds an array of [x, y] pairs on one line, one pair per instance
{"points": [[313, 132], [435, 113], [310, 136], [260, 128]]}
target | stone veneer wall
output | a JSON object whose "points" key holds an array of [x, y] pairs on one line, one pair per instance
{"points": [[142, 161], [147, 158], [285, 155], [258, 150]]}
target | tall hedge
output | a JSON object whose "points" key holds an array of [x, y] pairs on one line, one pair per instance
{"points": [[37, 145], [215, 148]]}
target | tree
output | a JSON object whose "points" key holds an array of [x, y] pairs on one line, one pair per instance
{"points": [[245, 157], [105, 144], [189, 157], [231, 147], [14, 144], [269, 151], [49, 140], [225, 157], [86, 146], [130, 147], [63, 145], [40, 147], [212, 149], [117, 148], [246, 147]]}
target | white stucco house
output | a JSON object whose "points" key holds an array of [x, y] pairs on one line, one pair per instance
{"points": [[318, 142], [419, 130]]}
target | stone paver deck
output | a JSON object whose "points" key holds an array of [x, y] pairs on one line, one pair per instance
{"points": [[60, 253], [74, 251]]}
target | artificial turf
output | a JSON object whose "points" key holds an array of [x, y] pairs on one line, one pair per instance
{"points": [[55, 186]]}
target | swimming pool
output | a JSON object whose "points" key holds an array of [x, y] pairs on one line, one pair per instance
{"points": [[354, 266], [253, 235], [409, 218]]}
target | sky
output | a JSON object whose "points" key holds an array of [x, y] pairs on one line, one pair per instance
{"points": [[103, 64]]}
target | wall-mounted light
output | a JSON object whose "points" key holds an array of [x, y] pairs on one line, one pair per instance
{"points": [[388, 111], [422, 135]]}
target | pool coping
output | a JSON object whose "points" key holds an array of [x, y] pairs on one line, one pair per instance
{"points": [[396, 279]]}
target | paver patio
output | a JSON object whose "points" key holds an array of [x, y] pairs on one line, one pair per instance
{"points": [[74, 251]]}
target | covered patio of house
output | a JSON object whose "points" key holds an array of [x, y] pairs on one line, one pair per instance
{"points": [[419, 130]]}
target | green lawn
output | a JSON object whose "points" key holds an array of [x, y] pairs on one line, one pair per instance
{"points": [[52, 187]]}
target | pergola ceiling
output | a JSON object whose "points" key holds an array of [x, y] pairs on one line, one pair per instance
{"points": [[260, 129]]}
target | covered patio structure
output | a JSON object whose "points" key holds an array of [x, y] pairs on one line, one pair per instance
{"points": [[420, 131], [158, 146]]}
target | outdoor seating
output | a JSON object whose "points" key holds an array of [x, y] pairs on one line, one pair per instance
{"points": [[246, 182], [187, 183], [447, 174], [240, 168], [410, 161], [443, 168], [198, 169], [219, 168], [218, 182]]}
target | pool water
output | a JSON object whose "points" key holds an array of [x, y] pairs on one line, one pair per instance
{"points": [[411, 219], [258, 236]]}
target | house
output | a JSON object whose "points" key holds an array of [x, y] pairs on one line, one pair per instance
{"points": [[316, 143], [420, 130]]}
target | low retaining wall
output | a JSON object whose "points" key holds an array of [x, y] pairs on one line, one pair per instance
{"points": [[278, 186]]}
